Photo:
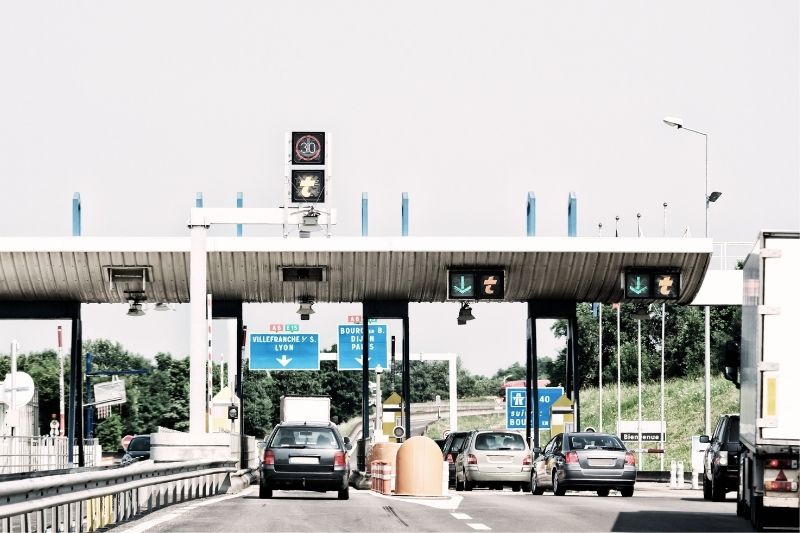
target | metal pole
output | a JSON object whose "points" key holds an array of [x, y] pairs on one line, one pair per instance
{"points": [[452, 381], [663, 424], [708, 370], [706, 143], [60, 383], [639, 425], [619, 371], [362, 449], [378, 403], [600, 360], [89, 429], [242, 329], [406, 377]]}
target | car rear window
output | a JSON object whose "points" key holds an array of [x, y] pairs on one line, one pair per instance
{"points": [[499, 441], [322, 438], [458, 443], [606, 442], [139, 444], [733, 430]]}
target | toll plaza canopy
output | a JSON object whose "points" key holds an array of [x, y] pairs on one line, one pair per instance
{"points": [[353, 269]]}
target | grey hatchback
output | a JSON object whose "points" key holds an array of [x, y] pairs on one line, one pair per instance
{"points": [[584, 461], [305, 456]]}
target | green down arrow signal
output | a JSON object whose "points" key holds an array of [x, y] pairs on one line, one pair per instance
{"points": [[639, 288], [462, 289]]}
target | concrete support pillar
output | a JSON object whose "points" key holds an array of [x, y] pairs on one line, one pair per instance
{"points": [[198, 342]]}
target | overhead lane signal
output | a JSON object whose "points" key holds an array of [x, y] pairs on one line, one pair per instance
{"points": [[652, 285], [471, 284]]}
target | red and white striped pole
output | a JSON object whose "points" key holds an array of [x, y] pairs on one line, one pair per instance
{"points": [[60, 383]]}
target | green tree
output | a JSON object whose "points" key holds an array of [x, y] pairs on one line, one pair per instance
{"points": [[109, 432]]}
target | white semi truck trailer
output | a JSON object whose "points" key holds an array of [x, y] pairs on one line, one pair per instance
{"points": [[770, 383]]}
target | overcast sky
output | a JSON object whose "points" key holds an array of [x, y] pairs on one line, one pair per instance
{"points": [[466, 106]]}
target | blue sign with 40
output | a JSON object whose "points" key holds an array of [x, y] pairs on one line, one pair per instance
{"points": [[516, 400]]}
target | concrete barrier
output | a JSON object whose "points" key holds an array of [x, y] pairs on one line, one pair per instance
{"points": [[169, 447]]}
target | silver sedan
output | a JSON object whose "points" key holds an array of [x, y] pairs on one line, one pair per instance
{"points": [[584, 461]]}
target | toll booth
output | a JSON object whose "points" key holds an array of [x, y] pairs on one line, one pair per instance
{"points": [[392, 415], [562, 416]]}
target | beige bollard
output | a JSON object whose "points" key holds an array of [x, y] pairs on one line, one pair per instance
{"points": [[419, 468]]}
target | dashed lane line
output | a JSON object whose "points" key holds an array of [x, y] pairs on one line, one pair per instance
{"points": [[461, 516], [480, 527]]}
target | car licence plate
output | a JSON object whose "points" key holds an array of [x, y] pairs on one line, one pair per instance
{"points": [[303, 460], [602, 462]]}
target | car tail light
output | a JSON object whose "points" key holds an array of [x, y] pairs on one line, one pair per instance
{"points": [[571, 457], [269, 457], [630, 459], [472, 460], [526, 460], [450, 458], [790, 464], [339, 459]]}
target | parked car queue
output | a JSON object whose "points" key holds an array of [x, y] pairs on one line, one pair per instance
{"points": [[577, 461]]}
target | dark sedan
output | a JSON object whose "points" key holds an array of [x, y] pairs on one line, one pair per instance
{"points": [[305, 457], [453, 445], [584, 461]]}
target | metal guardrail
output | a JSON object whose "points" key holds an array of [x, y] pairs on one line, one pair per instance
{"points": [[87, 501]]}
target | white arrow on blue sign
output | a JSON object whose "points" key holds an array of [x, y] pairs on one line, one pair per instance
{"points": [[295, 351], [351, 339], [517, 398]]}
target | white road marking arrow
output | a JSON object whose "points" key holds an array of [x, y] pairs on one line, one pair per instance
{"points": [[284, 360]]}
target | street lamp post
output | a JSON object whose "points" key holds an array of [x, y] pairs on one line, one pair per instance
{"points": [[709, 199]]}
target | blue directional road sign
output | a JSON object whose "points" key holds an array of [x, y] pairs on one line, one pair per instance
{"points": [[516, 397], [294, 351], [351, 337]]}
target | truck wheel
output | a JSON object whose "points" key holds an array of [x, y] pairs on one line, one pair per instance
{"points": [[626, 492], [756, 514], [706, 487]]}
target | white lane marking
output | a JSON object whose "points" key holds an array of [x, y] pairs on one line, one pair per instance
{"points": [[461, 516], [450, 502], [480, 527], [144, 526]]}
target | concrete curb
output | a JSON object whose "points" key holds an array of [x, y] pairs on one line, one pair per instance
{"points": [[240, 480]]}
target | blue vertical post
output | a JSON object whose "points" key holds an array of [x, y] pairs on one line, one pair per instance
{"points": [[531, 213], [198, 201], [239, 205], [364, 215], [76, 214], [572, 216], [404, 212]]}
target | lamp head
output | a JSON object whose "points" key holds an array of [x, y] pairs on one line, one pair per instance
{"points": [[135, 309], [305, 310], [465, 314], [673, 122], [714, 196]]}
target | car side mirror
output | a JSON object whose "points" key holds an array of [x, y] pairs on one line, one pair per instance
{"points": [[348, 446], [536, 451], [704, 439], [261, 444]]}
